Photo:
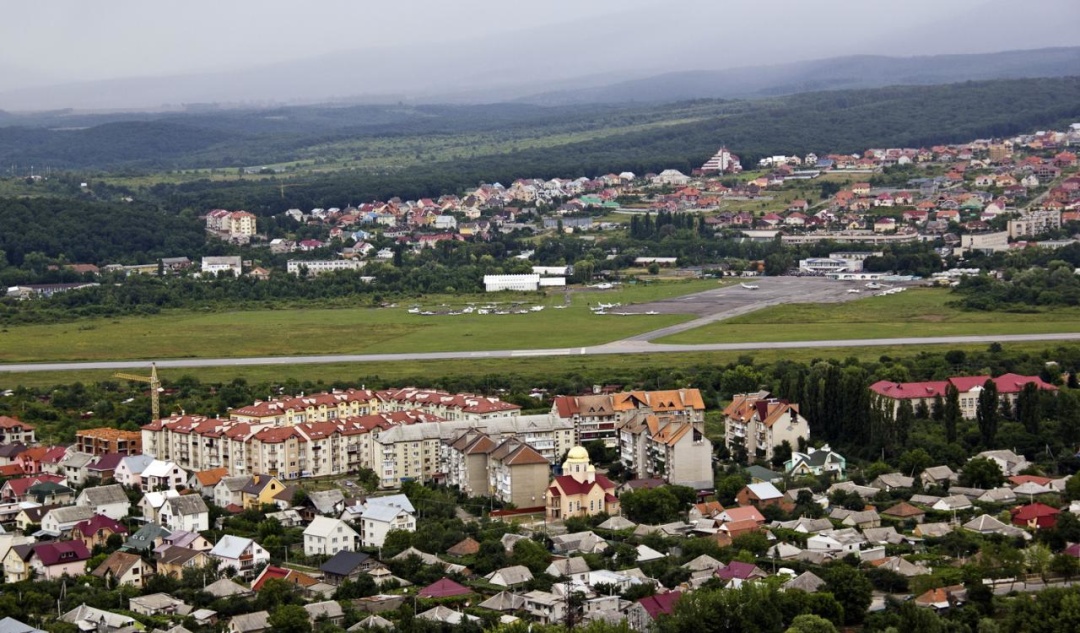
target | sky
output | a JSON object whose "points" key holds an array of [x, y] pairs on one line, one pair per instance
{"points": [[200, 50]]}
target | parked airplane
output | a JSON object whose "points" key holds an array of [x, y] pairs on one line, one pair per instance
{"points": [[749, 286], [603, 286]]}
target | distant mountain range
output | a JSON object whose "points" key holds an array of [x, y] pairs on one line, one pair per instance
{"points": [[840, 73]]}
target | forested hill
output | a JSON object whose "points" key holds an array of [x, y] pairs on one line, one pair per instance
{"points": [[619, 136], [843, 121], [858, 71]]}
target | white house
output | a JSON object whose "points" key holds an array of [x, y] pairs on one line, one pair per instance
{"points": [[61, 520], [382, 514], [186, 512], [159, 475], [242, 554], [110, 500], [329, 536], [129, 470], [152, 502], [229, 491]]}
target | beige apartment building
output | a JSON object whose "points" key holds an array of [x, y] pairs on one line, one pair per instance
{"points": [[761, 424]]}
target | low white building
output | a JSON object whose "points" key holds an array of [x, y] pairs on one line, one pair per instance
{"points": [[110, 500], [383, 514], [162, 475], [187, 512], [327, 536], [242, 554], [222, 264], [518, 283], [316, 267]]}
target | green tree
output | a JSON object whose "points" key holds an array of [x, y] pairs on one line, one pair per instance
{"points": [[987, 412], [810, 623], [289, 618], [981, 472], [1029, 408], [851, 588], [951, 413]]}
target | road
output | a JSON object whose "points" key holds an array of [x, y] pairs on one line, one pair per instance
{"points": [[619, 347]]}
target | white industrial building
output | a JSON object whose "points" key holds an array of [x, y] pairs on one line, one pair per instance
{"points": [[519, 283]]}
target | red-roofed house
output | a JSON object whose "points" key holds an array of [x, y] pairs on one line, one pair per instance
{"points": [[1035, 516], [15, 430], [642, 614], [17, 489], [290, 576], [580, 491], [53, 560], [97, 530], [736, 573], [444, 588]]}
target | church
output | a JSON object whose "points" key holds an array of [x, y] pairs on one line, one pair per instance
{"points": [[579, 491]]}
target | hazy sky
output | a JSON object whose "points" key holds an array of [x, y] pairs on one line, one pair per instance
{"points": [[288, 50], [72, 39]]}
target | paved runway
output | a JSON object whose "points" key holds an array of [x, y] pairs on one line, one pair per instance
{"points": [[619, 347]]}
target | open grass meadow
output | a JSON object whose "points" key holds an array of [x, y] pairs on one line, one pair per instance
{"points": [[290, 332], [915, 312]]}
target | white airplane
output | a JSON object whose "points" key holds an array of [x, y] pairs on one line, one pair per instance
{"points": [[603, 286], [749, 286], [652, 312], [559, 307], [414, 310], [536, 308], [854, 291], [608, 306], [873, 286]]}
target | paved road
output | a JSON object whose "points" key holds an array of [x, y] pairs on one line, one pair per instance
{"points": [[619, 347]]}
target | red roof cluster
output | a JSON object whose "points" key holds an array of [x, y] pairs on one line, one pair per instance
{"points": [[1006, 383]]}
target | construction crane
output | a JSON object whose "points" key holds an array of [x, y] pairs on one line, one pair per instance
{"points": [[155, 387]]}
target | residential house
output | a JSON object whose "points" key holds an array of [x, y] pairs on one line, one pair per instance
{"points": [[517, 473], [736, 573], [892, 481], [172, 560], [109, 500], [260, 490], [103, 467], [204, 481], [642, 615], [672, 448], [816, 462], [1035, 516], [760, 424], [95, 531], [123, 568], [52, 560], [157, 604], [325, 536], [73, 468], [242, 554], [1009, 462], [152, 502], [146, 539], [14, 430], [11, 625], [163, 475], [16, 563], [99, 621], [257, 622], [326, 611], [941, 476], [383, 514], [185, 512], [346, 565], [761, 496], [229, 491], [18, 489], [62, 520], [904, 511], [129, 469], [580, 491]]}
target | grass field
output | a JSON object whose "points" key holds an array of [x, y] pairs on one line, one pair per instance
{"points": [[916, 312], [345, 331], [607, 368]]}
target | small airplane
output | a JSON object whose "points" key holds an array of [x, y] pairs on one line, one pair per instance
{"points": [[414, 310], [873, 286], [536, 308], [652, 312], [750, 286], [607, 306], [603, 286], [559, 307], [854, 291]]}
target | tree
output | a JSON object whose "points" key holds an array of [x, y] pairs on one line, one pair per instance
{"points": [[289, 618], [1072, 488], [951, 413], [810, 623], [986, 412], [1029, 408], [851, 588], [981, 472]]}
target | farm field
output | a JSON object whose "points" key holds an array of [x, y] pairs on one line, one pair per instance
{"points": [[916, 312], [186, 334]]}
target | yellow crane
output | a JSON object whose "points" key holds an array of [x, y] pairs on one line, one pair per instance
{"points": [[155, 387]]}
